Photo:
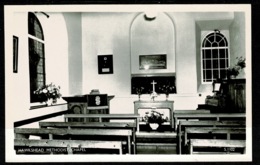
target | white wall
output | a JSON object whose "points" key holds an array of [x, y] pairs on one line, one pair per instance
{"points": [[56, 52], [152, 37], [73, 25], [78, 38], [109, 33], [238, 39]]}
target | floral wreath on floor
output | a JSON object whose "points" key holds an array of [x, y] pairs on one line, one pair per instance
{"points": [[48, 92]]}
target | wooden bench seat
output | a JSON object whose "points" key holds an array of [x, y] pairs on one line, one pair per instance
{"points": [[211, 132], [87, 125], [213, 116], [103, 134], [94, 125], [191, 111], [103, 116], [228, 146], [210, 123], [46, 146]]}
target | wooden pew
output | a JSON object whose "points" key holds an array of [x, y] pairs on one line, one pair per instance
{"points": [[176, 112], [229, 146], [46, 146], [204, 123], [94, 125], [212, 133], [87, 125], [123, 135], [192, 111], [213, 116], [134, 117]]}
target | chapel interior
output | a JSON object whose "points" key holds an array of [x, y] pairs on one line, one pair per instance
{"points": [[116, 71]]}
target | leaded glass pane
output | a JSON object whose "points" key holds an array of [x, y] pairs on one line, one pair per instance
{"points": [[208, 64], [222, 53], [215, 63], [208, 74], [34, 25], [36, 57], [222, 63], [208, 54], [215, 74], [215, 53], [223, 73]]}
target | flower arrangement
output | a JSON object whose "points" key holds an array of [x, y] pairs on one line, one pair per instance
{"points": [[235, 70], [139, 91], [47, 92], [166, 89], [154, 117]]}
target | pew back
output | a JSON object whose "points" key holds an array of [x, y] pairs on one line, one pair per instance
{"points": [[228, 146], [211, 116], [205, 123], [46, 146], [76, 134], [94, 125], [212, 132]]}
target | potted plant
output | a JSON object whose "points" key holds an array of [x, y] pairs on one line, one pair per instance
{"points": [[236, 69], [48, 93]]}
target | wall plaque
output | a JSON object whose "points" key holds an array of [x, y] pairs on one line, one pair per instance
{"points": [[105, 64], [157, 61]]}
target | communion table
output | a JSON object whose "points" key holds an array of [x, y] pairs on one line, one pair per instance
{"points": [[155, 105]]}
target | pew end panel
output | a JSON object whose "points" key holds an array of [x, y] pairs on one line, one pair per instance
{"points": [[216, 146], [32, 146]]}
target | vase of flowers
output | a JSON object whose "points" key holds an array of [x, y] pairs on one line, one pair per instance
{"points": [[139, 91], [154, 119], [235, 70], [48, 93], [167, 89]]}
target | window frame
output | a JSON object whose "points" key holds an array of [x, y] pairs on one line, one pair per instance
{"points": [[43, 66], [226, 48]]}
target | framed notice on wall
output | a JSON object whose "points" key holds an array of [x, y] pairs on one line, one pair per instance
{"points": [[15, 54], [105, 64], [157, 61]]}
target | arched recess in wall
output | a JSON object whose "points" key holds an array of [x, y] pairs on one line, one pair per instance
{"points": [[151, 37]]}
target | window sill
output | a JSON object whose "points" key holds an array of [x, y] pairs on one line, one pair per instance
{"points": [[38, 106]]}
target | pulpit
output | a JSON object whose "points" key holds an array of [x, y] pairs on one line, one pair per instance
{"points": [[89, 104]]}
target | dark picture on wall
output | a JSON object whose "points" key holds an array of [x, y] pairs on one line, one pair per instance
{"points": [[105, 64], [15, 54], [157, 61]]}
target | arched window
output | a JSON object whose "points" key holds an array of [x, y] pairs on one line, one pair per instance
{"points": [[215, 58], [36, 55]]}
